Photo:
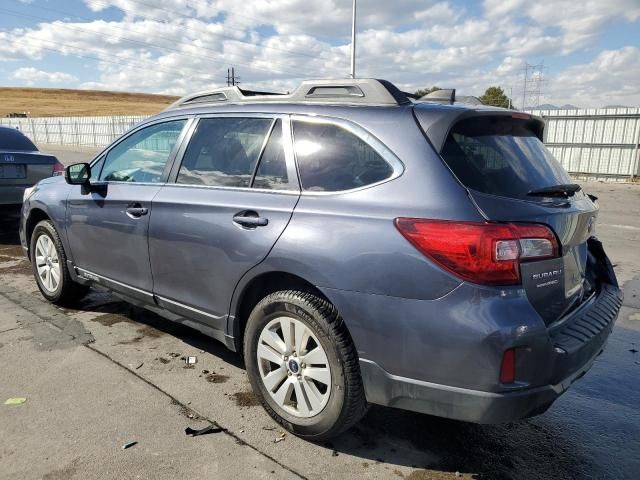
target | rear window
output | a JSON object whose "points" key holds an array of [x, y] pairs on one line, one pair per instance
{"points": [[332, 159], [11, 139], [501, 156]]}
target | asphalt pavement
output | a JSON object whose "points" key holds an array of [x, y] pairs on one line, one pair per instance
{"points": [[107, 374]]}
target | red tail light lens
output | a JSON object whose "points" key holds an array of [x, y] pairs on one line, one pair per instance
{"points": [[480, 252], [508, 368], [58, 168]]}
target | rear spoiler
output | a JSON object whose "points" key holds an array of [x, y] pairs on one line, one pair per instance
{"points": [[437, 123]]}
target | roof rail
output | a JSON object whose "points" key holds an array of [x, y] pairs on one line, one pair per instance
{"points": [[444, 95], [448, 96], [358, 91]]}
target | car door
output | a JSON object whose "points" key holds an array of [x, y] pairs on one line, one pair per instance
{"points": [[232, 195], [107, 224]]}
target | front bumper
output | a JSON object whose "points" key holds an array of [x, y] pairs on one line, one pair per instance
{"points": [[577, 342]]}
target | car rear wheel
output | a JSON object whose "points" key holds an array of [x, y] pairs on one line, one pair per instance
{"points": [[303, 366], [49, 263]]}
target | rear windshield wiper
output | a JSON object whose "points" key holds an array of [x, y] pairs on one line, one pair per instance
{"points": [[564, 190]]}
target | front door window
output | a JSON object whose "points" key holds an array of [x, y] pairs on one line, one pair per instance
{"points": [[143, 156]]}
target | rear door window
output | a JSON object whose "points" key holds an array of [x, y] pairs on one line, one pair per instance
{"points": [[224, 151], [331, 158], [501, 156], [272, 169]]}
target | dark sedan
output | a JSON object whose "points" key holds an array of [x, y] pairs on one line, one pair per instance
{"points": [[22, 165]]}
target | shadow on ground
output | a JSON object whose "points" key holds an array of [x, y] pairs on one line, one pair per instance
{"points": [[395, 437], [9, 223]]}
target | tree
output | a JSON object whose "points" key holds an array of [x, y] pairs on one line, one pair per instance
{"points": [[495, 96], [425, 91]]}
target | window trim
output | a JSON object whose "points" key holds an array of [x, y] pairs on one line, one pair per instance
{"points": [[170, 160], [98, 159], [287, 141], [368, 138], [267, 137]]}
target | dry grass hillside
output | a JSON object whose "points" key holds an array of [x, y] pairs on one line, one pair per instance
{"points": [[53, 102]]}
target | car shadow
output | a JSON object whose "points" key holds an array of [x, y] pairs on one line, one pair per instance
{"points": [[527, 449], [522, 450], [9, 224], [114, 310]]}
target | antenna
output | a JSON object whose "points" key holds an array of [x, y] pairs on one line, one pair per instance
{"points": [[353, 41]]}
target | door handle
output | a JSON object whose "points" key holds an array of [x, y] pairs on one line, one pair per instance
{"points": [[136, 210], [250, 219]]}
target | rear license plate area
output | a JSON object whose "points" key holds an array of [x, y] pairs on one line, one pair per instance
{"points": [[13, 171]]}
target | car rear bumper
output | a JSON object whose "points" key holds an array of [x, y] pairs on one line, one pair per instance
{"points": [[443, 357], [577, 343], [11, 194], [457, 403]]}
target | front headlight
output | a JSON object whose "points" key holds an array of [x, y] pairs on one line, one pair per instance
{"points": [[27, 193]]}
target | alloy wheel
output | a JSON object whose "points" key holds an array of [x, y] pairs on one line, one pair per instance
{"points": [[294, 367], [47, 263]]}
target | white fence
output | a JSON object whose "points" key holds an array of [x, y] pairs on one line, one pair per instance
{"points": [[595, 143], [81, 131]]}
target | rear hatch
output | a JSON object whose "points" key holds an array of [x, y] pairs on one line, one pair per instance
{"points": [[512, 177], [24, 168]]}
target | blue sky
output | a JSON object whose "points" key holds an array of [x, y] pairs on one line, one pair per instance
{"points": [[590, 49]]}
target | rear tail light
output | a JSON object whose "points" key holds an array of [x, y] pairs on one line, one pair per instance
{"points": [[480, 252], [508, 368], [58, 169]]}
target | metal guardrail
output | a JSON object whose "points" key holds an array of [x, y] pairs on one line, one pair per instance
{"points": [[80, 131]]}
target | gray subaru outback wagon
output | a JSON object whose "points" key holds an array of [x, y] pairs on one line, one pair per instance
{"points": [[355, 245]]}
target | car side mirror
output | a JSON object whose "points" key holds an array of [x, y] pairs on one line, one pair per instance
{"points": [[78, 174]]}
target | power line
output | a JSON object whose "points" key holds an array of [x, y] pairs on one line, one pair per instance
{"points": [[149, 65], [259, 21], [187, 17], [155, 46]]}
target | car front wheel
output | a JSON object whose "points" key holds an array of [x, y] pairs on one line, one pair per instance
{"points": [[303, 366], [49, 264]]}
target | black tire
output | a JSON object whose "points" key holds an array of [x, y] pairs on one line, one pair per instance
{"points": [[346, 404], [67, 292]]}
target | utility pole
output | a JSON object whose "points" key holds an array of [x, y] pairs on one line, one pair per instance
{"points": [[524, 86], [232, 80], [353, 41]]}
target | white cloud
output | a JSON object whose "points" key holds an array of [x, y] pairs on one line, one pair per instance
{"points": [[441, 12], [579, 22], [510, 65], [176, 46], [32, 75], [610, 79]]}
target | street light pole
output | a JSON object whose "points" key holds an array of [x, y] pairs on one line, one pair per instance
{"points": [[353, 41]]}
